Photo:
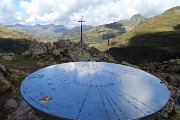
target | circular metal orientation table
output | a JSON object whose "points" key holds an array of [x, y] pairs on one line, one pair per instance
{"points": [[94, 91]]}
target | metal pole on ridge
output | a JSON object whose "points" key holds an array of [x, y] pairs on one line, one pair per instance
{"points": [[81, 21]]}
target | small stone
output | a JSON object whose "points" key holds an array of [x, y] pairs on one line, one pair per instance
{"points": [[8, 58], [2, 68], [26, 53], [40, 64], [11, 104], [3, 79], [31, 116], [2, 103], [11, 54], [178, 61], [43, 45], [103, 56], [128, 64], [96, 59], [53, 63], [165, 82], [5, 84], [23, 108], [56, 52], [165, 62], [177, 77], [64, 59], [80, 55], [175, 80], [177, 101], [22, 112], [172, 61], [49, 47], [14, 70], [51, 59], [178, 92]]}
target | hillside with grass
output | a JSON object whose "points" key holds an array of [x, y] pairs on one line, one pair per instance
{"points": [[157, 38], [10, 33], [13, 40], [166, 22]]}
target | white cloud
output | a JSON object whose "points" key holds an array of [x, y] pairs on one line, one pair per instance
{"points": [[67, 12], [7, 11], [52, 11], [124, 9]]}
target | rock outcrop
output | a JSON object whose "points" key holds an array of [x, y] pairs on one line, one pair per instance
{"points": [[11, 103], [36, 48], [67, 50], [80, 55]]}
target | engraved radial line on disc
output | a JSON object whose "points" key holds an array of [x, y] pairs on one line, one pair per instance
{"points": [[110, 104], [129, 102], [80, 110], [103, 103], [135, 99], [115, 103]]}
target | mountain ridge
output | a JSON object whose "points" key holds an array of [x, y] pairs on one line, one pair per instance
{"points": [[156, 39], [103, 32], [90, 33], [46, 31]]}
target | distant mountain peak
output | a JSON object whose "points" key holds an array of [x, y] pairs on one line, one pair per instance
{"points": [[137, 15], [84, 27], [18, 24], [137, 19], [37, 25]]}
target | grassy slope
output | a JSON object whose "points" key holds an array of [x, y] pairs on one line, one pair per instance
{"points": [[9, 33], [14, 34], [162, 23], [98, 30], [16, 41]]}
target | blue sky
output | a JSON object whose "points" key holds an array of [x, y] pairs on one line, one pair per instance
{"points": [[16, 3], [67, 12]]}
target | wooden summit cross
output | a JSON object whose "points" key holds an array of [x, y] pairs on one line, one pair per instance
{"points": [[81, 21]]}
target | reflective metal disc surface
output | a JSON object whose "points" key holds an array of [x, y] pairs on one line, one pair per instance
{"points": [[94, 91]]}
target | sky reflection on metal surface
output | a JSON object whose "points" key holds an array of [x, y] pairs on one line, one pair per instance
{"points": [[94, 91]]}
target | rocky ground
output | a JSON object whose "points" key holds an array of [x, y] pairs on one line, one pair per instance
{"points": [[169, 73], [14, 68]]}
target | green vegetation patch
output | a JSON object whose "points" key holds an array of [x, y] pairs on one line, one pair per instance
{"points": [[4, 87], [4, 114]]}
